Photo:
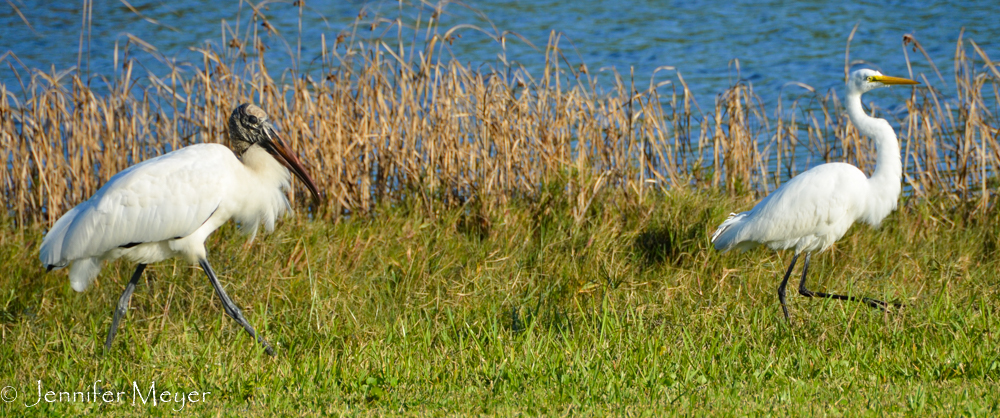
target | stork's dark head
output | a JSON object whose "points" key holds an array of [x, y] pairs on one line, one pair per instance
{"points": [[248, 126]]}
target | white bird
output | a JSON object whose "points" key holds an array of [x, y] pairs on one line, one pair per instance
{"points": [[814, 209], [167, 206]]}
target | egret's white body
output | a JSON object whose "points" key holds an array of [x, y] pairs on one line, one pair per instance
{"points": [[816, 208], [167, 206]]}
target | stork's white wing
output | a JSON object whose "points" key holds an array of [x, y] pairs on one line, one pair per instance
{"points": [[163, 198]]}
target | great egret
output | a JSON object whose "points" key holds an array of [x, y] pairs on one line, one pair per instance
{"points": [[167, 206], [814, 209]]}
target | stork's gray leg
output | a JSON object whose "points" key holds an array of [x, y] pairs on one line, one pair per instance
{"points": [[231, 308], [784, 282], [123, 305], [875, 303]]}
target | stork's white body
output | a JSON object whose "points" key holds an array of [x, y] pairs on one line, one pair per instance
{"points": [[166, 207]]}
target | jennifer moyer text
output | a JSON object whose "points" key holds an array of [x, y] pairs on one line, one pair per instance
{"points": [[135, 395]]}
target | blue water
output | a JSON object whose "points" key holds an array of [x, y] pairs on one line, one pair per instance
{"points": [[775, 42]]}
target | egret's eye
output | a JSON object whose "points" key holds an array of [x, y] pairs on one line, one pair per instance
{"points": [[871, 79], [252, 119]]}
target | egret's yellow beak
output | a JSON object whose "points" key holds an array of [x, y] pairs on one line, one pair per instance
{"points": [[887, 80]]}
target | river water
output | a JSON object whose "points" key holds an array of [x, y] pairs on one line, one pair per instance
{"points": [[775, 42]]}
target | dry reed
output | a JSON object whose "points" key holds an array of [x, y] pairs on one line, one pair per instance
{"points": [[393, 119]]}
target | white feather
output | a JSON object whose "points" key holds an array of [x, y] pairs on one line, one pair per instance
{"points": [[816, 208], [165, 207]]}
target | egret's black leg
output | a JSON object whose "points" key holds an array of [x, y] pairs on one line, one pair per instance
{"points": [[784, 282], [875, 303], [123, 305], [231, 308]]}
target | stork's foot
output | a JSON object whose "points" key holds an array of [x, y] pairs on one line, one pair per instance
{"points": [[122, 306], [231, 309]]}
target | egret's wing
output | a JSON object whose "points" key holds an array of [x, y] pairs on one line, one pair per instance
{"points": [[159, 199], [808, 204]]}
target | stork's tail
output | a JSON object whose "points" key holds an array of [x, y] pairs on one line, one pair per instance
{"points": [[81, 271], [725, 241], [51, 252]]}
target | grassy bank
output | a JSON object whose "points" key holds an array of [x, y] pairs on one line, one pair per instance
{"points": [[532, 307], [493, 241]]}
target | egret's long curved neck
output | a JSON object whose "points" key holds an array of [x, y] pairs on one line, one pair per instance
{"points": [[885, 180], [888, 165]]}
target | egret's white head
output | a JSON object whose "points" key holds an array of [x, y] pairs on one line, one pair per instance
{"points": [[248, 127], [865, 80]]}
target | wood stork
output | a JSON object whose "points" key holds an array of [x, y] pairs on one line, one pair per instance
{"points": [[814, 209], [167, 206]]}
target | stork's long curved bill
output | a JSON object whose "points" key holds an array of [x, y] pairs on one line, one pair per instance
{"points": [[276, 147], [884, 79]]}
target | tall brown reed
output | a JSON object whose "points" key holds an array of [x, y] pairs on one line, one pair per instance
{"points": [[384, 122]]}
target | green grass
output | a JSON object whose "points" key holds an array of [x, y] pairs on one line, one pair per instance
{"points": [[424, 310]]}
